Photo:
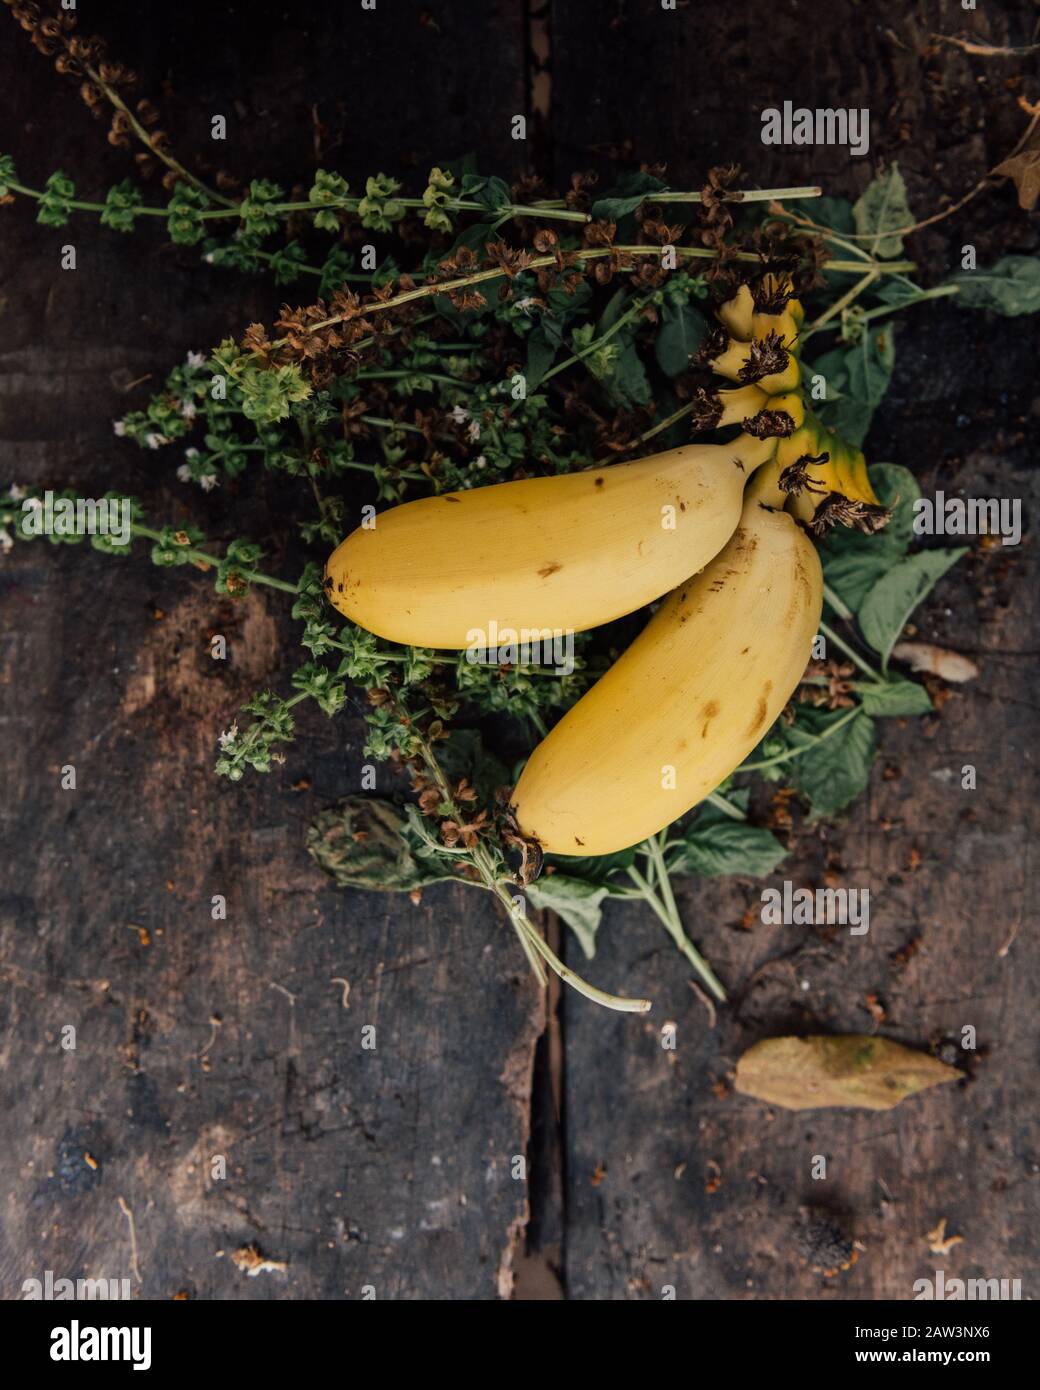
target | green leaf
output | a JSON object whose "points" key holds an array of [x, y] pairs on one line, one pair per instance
{"points": [[541, 351], [682, 331], [870, 364], [895, 697], [595, 869], [492, 194], [577, 901], [627, 385], [883, 613], [835, 213], [863, 382], [361, 843], [833, 367], [852, 562], [836, 771], [726, 846], [7, 174], [881, 210], [463, 755], [1010, 287], [632, 189]]}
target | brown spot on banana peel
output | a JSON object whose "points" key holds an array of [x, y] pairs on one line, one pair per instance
{"points": [[550, 568], [708, 713], [761, 709]]}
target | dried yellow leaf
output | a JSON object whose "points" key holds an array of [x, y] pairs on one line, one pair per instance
{"points": [[854, 1070]]}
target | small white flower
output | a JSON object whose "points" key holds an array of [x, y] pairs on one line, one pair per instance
{"points": [[155, 440], [208, 482], [480, 461], [191, 453], [184, 474], [118, 428], [189, 410], [15, 492], [6, 543], [227, 738], [197, 359], [459, 415], [473, 431], [208, 257], [525, 305]]}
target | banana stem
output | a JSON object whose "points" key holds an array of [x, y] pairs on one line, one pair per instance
{"points": [[764, 487]]}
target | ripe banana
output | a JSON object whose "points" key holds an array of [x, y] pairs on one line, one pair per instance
{"points": [[686, 703], [763, 352], [542, 555], [829, 467]]}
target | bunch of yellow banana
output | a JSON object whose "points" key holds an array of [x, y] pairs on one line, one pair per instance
{"points": [[716, 524]]}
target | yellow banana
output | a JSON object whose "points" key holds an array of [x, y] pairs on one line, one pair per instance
{"points": [[686, 703], [752, 361], [842, 469], [542, 555], [735, 314]]}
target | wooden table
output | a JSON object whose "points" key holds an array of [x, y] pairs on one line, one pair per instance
{"points": [[392, 1168]]}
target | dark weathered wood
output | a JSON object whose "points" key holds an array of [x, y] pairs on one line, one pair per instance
{"points": [[701, 1190], [392, 1168], [387, 1168]]}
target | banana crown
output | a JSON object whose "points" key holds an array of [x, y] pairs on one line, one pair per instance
{"points": [[758, 347]]}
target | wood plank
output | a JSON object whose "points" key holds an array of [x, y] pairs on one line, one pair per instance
{"points": [[669, 1183], [386, 1168]]}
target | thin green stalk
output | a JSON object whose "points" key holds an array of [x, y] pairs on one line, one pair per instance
{"points": [[632, 312], [594, 253], [726, 807], [791, 753], [839, 304], [743, 195], [681, 939], [673, 926], [419, 371], [838, 604], [851, 653], [598, 996], [135, 125], [203, 558]]}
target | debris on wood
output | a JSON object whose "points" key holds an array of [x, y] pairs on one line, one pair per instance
{"points": [[822, 1245], [936, 661], [855, 1070], [939, 1243], [251, 1261]]}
